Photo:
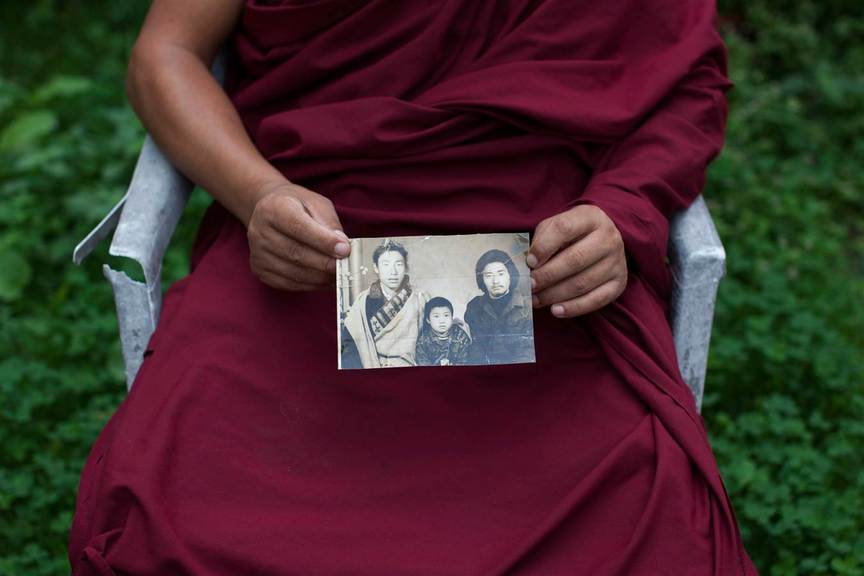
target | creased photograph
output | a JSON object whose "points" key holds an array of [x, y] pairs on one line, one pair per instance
{"points": [[435, 301]]}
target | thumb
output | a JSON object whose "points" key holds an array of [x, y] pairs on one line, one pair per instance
{"points": [[321, 209]]}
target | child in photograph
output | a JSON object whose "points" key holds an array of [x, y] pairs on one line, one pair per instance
{"points": [[444, 341]]}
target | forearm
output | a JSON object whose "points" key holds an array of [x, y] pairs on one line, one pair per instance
{"points": [[195, 124]]}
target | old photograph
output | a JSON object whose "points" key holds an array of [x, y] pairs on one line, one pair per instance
{"points": [[435, 301]]}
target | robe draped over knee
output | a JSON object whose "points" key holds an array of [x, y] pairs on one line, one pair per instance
{"points": [[241, 449]]}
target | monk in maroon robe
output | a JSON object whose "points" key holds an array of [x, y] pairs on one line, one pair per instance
{"points": [[241, 448]]}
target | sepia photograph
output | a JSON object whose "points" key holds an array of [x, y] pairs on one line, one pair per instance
{"points": [[435, 301]]}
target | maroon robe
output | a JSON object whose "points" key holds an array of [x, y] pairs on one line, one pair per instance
{"points": [[242, 450]]}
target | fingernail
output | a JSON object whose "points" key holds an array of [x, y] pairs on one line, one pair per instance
{"points": [[535, 301], [342, 249], [533, 283], [557, 310], [531, 260]]}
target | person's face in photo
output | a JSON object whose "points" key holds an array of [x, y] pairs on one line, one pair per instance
{"points": [[390, 269], [440, 319], [496, 277]]}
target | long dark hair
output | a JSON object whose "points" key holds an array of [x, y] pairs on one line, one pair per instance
{"points": [[496, 255]]}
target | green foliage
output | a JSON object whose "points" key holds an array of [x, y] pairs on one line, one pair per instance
{"points": [[68, 142], [786, 376], [786, 373]]}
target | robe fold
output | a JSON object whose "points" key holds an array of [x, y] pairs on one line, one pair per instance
{"points": [[241, 449]]}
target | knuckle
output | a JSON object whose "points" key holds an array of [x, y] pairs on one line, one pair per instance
{"points": [[543, 232], [609, 296], [254, 234], [575, 257], [540, 229], [598, 218], [316, 263], [324, 202], [283, 214], [614, 236], [267, 209], [562, 226], [579, 285], [270, 279], [289, 271], [292, 252]]}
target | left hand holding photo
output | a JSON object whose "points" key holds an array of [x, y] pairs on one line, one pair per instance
{"points": [[577, 260]]}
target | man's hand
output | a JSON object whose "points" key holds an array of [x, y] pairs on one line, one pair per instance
{"points": [[295, 238], [578, 262]]}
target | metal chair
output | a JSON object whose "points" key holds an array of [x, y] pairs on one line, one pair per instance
{"points": [[146, 216]]}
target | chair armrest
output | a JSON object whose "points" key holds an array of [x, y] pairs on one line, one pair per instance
{"points": [[154, 204], [151, 210], [145, 220], [698, 262]]}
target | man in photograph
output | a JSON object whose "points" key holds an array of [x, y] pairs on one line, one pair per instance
{"points": [[383, 324], [500, 318]]}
